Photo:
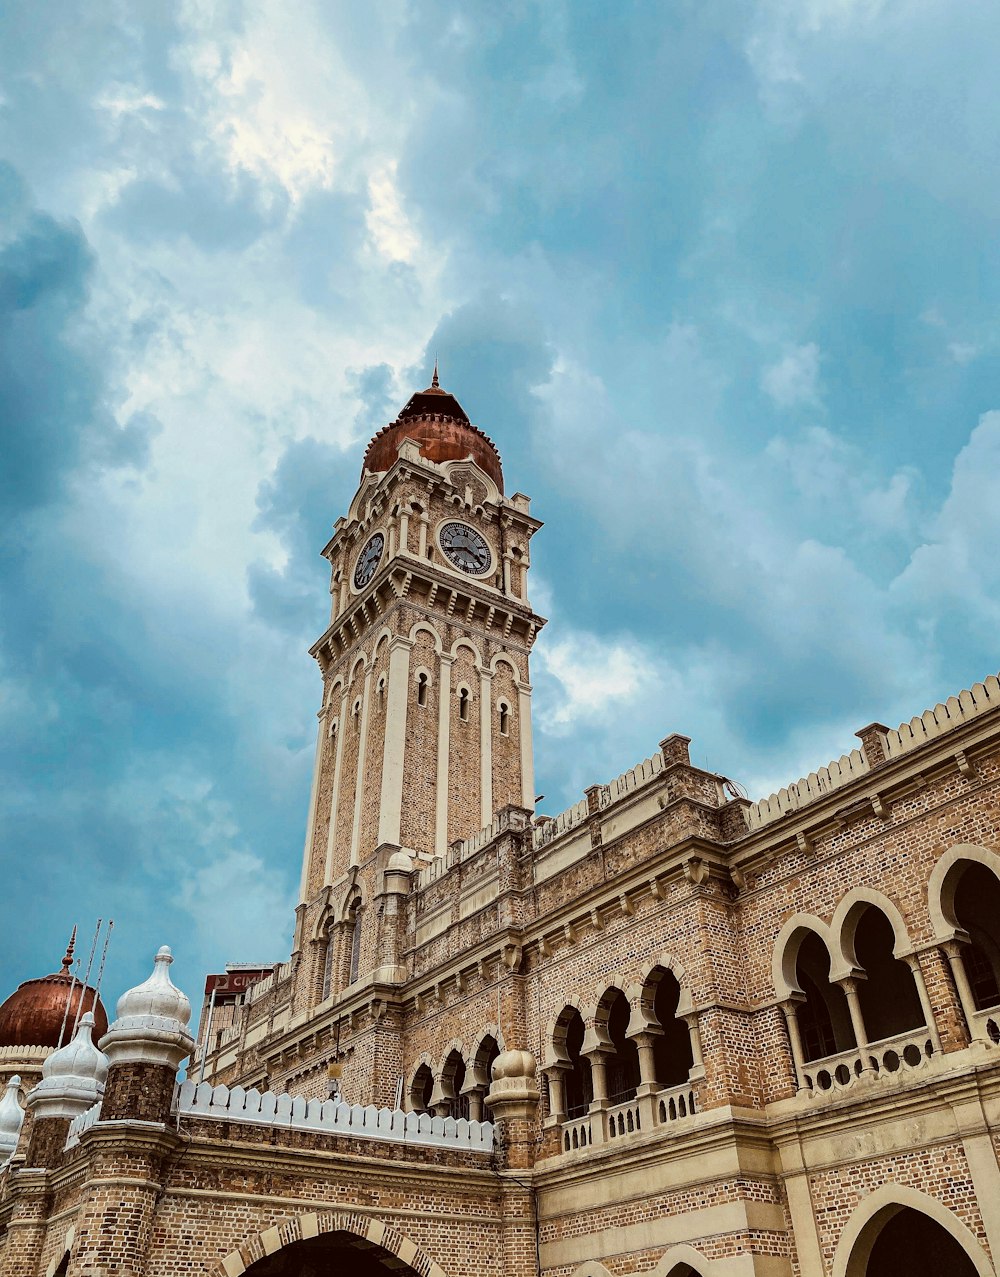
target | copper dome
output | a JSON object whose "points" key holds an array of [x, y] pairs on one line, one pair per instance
{"points": [[35, 1014], [439, 424]]}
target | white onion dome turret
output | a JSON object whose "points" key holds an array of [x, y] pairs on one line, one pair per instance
{"points": [[151, 1026], [72, 1078], [11, 1119]]}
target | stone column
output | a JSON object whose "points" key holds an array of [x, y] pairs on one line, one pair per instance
{"points": [[790, 1009], [443, 747], [359, 787], [394, 745], [913, 962], [953, 952], [648, 1087], [485, 747], [331, 833], [311, 818], [527, 754], [850, 986], [396, 885]]}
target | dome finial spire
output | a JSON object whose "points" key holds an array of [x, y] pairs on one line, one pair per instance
{"points": [[67, 961], [434, 380]]}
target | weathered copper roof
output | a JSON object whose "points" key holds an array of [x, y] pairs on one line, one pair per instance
{"points": [[438, 423], [34, 1014]]}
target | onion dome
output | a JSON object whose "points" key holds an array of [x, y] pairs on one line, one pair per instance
{"points": [[36, 1013], [152, 1020], [72, 1077], [11, 1119], [440, 426]]}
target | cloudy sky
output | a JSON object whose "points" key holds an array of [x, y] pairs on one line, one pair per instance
{"points": [[721, 280]]}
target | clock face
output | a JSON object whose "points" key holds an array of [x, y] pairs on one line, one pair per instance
{"points": [[368, 560], [466, 548]]}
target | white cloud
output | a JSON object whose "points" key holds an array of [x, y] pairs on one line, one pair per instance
{"points": [[594, 677], [793, 382]]}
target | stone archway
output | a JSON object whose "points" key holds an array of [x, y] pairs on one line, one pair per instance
{"points": [[331, 1253], [311, 1246], [901, 1232]]}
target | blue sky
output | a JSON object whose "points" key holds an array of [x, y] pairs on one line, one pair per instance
{"points": [[721, 280]]}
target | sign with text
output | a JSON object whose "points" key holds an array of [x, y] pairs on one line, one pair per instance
{"points": [[230, 986]]}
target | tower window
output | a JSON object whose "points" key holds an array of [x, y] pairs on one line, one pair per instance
{"points": [[504, 718], [463, 704], [380, 692], [421, 689]]}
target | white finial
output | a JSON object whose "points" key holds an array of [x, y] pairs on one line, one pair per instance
{"points": [[11, 1119], [72, 1077], [152, 1020]]}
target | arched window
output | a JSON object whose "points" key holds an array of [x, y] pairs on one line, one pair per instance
{"points": [[623, 1065], [977, 911], [888, 996], [421, 1090], [380, 693], [463, 704], [672, 1054], [488, 1051], [354, 926], [452, 1082], [579, 1082], [421, 689], [824, 1018], [328, 960], [504, 718]]}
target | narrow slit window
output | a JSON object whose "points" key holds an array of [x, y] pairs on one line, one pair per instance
{"points": [[421, 689], [504, 719], [463, 704]]}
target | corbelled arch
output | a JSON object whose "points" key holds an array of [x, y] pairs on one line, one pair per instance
{"points": [[287, 1232], [844, 925], [665, 962], [874, 1210], [943, 880], [786, 951], [554, 1029], [422, 627]]}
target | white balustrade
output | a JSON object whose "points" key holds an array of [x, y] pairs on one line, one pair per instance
{"points": [[81, 1123], [623, 1119], [674, 1103], [361, 1122], [878, 1061], [985, 1026], [577, 1133]]}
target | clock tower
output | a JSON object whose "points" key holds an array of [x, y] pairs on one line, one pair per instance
{"points": [[425, 724]]}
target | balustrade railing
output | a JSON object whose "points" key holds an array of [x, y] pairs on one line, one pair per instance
{"points": [[876, 1060], [362, 1122], [81, 1123], [623, 1119], [674, 1103], [577, 1133], [985, 1025]]}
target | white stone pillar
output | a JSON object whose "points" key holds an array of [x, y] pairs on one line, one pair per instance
{"points": [[359, 784], [913, 962], [311, 819], [331, 833], [444, 731], [404, 532], [394, 745], [485, 747], [527, 754]]}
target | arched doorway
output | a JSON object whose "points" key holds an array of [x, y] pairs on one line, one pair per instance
{"points": [[911, 1244], [330, 1253]]}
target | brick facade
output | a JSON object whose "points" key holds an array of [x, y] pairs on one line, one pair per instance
{"points": [[676, 959]]}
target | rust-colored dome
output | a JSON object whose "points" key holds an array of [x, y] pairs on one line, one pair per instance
{"points": [[440, 426], [35, 1013]]}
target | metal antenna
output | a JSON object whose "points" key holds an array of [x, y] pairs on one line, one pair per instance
{"points": [[67, 964], [104, 955], [86, 979]]}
